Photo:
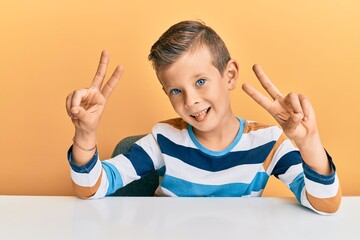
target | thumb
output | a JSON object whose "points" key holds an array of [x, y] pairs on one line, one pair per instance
{"points": [[77, 112]]}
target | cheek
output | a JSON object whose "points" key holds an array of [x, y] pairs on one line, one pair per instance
{"points": [[220, 91], [175, 103], [222, 97]]}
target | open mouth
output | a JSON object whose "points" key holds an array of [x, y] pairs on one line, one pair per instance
{"points": [[201, 115]]}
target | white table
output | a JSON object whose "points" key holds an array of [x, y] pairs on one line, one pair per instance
{"points": [[42, 217]]}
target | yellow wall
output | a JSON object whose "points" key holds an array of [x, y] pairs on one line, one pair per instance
{"points": [[49, 48]]}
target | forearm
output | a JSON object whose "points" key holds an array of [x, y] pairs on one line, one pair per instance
{"points": [[314, 155], [84, 147]]}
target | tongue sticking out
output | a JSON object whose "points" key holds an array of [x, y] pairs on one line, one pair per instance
{"points": [[201, 115]]}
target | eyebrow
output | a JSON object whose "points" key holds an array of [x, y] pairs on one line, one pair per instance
{"points": [[198, 75], [166, 85]]}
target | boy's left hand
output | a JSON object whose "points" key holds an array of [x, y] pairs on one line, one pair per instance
{"points": [[293, 112]]}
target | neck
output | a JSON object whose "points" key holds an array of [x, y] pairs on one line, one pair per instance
{"points": [[220, 138]]}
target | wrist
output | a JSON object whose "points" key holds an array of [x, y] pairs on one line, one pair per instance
{"points": [[309, 141], [311, 146], [313, 154], [81, 133], [84, 147], [84, 140]]}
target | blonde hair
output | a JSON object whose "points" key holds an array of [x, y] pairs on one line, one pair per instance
{"points": [[183, 37]]}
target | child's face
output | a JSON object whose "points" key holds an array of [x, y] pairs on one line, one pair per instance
{"points": [[197, 91]]}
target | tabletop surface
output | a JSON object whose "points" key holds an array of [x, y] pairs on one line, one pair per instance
{"points": [[46, 217]]}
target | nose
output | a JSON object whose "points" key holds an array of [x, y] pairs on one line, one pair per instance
{"points": [[191, 97]]}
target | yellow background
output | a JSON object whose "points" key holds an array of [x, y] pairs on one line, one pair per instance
{"points": [[49, 48]]}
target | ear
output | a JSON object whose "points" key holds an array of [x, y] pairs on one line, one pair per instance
{"points": [[231, 74]]}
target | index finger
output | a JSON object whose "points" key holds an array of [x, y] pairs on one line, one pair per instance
{"points": [[266, 83], [101, 70], [257, 96]]}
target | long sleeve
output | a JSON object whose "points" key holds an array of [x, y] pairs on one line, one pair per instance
{"points": [[98, 179], [318, 192]]}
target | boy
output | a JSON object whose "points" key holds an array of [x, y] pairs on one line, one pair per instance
{"points": [[208, 151]]}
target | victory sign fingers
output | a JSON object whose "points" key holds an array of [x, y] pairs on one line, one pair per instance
{"points": [[291, 111], [87, 103], [101, 72]]}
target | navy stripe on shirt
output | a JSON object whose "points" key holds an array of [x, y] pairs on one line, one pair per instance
{"points": [[316, 177], [140, 160], [191, 156], [85, 168], [285, 162]]}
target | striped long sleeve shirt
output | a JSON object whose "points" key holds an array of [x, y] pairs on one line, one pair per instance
{"points": [[241, 170]]}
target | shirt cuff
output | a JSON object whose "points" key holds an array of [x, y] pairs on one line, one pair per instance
{"points": [[319, 178], [85, 168]]}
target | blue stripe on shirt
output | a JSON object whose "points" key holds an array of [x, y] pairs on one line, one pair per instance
{"points": [[297, 186], [183, 188], [113, 176], [191, 156], [285, 162], [140, 160]]}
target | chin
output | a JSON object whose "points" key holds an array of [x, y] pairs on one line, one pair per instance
{"points": [[203, 127]]}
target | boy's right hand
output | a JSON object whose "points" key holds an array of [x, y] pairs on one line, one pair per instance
{"points": [[85, 106]]}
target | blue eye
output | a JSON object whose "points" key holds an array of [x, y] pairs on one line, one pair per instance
{"points": [[175, 91], [200, 82]]}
